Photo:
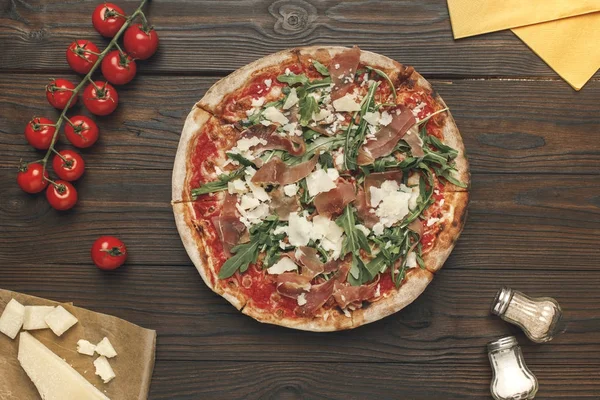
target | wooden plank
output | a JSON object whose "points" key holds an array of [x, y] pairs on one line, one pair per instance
{"points": [[503, 132], [449, 325], [515, 221], [313, 380], [209, 36]]}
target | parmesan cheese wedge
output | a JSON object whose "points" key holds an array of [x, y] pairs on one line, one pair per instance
{"points": [[34, 317], [12, 318], [60, 320], [52, 376]]}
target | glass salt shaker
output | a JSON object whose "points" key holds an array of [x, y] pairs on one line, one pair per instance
{"points": [[512, 380], [538, 317]]}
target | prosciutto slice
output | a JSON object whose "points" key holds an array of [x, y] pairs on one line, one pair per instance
{"points": [[294, 145], [319, 294], [387, 137], [413, 139], [292, 285], [363, 209], [228, 226], [377, 179], [345, 294], [308, 258], [333, 202], [342, 68], [278, 173], [283, 205]]}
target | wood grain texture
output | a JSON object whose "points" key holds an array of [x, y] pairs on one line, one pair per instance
{"points": [[515, 221], [209, 36], [311, 380], [545, 129], [448, 326]]}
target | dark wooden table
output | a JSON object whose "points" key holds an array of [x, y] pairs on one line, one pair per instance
{"points": [[534, 146]]}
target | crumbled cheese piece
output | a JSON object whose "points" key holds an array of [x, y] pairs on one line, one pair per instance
{"points": [[385, 118], [248, 202], [280, 229], [377, 290], [283, 265], [432, 221], [287, 72], [418, 108], [319, 181], [34, 317], [85, 347], [237, 186], [347, 313], [372, 117], [291, 100], [274, 115], [363, 229], [329, 234], [290, 190], [282, 245], [337, 66], [346, 103], [299, 230], [258, 102], [378, 229], [254, 216], [333, 173], [60, 320], [268, 82], [339, 159], [390, 202], [103, 369], [12, 318], [302, 299], [322, 114], [411, 260]]}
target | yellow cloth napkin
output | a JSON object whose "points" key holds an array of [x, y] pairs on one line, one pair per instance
{"points": [[571, 46], [474, 17], [564, 33]]}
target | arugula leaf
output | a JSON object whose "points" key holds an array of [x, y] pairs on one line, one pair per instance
{"points": [[354, 241], [355, 137], [386, 77], [326, 160], [308, 107], [241, 159], [321, 68], [218, 185], [293, 79]]}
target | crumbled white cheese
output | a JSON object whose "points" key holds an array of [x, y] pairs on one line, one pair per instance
{"points": [[337, 66], [268, 82], [390, 202], [432, 221], [346, 103], [328, 233], [105, 348], [411, 260], [363, 229], [322, 114], [85, 347], [60, 320], [258, 102], [280, 229], [385, 118], [339, 159], [299, 230], [287, 72], [372, 117], [282, 245], [302, 299], [333, 174], [291, 100], [378, 229], [274, 115], [103, 369], [283, 265], [319, 181], [237, 186], [377, 290], [12, 318], [290, 190]]}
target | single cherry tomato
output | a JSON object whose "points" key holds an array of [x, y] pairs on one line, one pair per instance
{"points": [[82, 131], [109, 252], [68, 165], [30, 177], [59, 92], [100, 98], [140, 43], [82, 55], [118, 68], [39, 132], [61, 195], [107, 19]]}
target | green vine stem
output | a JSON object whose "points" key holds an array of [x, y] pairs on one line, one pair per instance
{"points": [[87, 79]]}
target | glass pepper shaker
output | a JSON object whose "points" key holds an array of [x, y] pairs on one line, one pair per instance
{"points": [[511, 380], [538, 317]]}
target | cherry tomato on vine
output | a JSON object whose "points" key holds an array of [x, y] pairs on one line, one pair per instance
{"points": [[68, 165], [107, 19], [30, 179], [83, 132], [118, 68], [139, 43], [101, 98], [82, 55], [61, 195], [108, 252], [39, 132], [58, 93]]}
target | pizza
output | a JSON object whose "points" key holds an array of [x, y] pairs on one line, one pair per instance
{"points": [[320, 188]]}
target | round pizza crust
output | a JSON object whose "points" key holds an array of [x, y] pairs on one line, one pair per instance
{"points": [[194, 235]]}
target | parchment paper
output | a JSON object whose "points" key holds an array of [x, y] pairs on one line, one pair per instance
{"points": [[133, 364]]}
